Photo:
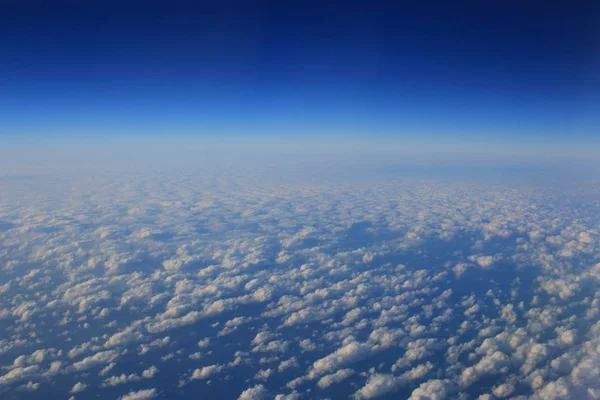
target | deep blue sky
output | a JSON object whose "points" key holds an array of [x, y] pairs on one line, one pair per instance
{"points": [[445, 70]]}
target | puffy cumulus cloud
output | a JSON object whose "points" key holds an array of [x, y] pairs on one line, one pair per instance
{"points": [[348, 354], [415, 351], [246, 277], [494, 363], [158, 343], [36, 358], [307, 345], [124, 337], [504, 390], [78, 387], [483, 261], [124, 379], [206, 372], [586, 372], [417, 372], [18, 374], [264, 374], [381, 384], [287, 364], [290, 396], [434, 389], [28, 387], [336, 377], [460, 268], [557, 390], [377, 385], [258, 392], [140, 395], [150, 372], [101, 358], [104, 371]]}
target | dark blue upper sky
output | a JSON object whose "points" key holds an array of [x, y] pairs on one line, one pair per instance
{"points": [[447, 70]]}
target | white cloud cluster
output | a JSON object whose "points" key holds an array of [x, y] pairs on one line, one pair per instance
{"points": [[229, 280]]}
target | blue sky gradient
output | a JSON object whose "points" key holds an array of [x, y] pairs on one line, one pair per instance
{"points": [[511, 74]]}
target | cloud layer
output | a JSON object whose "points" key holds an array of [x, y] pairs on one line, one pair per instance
{"points": [[239, 284]]}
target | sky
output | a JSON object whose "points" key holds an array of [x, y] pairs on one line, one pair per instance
{"points": [[299, 200], [460, 73]]}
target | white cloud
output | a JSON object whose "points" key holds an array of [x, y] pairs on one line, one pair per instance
{"points": [[206, 372], [101, 358], [307, 281], [346, 355], [258, 392], [337, 377], [140, 395], [504, 390], [78, 387], [377, 385], [434, 389], [494, 363]]}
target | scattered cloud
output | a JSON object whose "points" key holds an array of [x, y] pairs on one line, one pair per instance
{"points": [[427, 289]]}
